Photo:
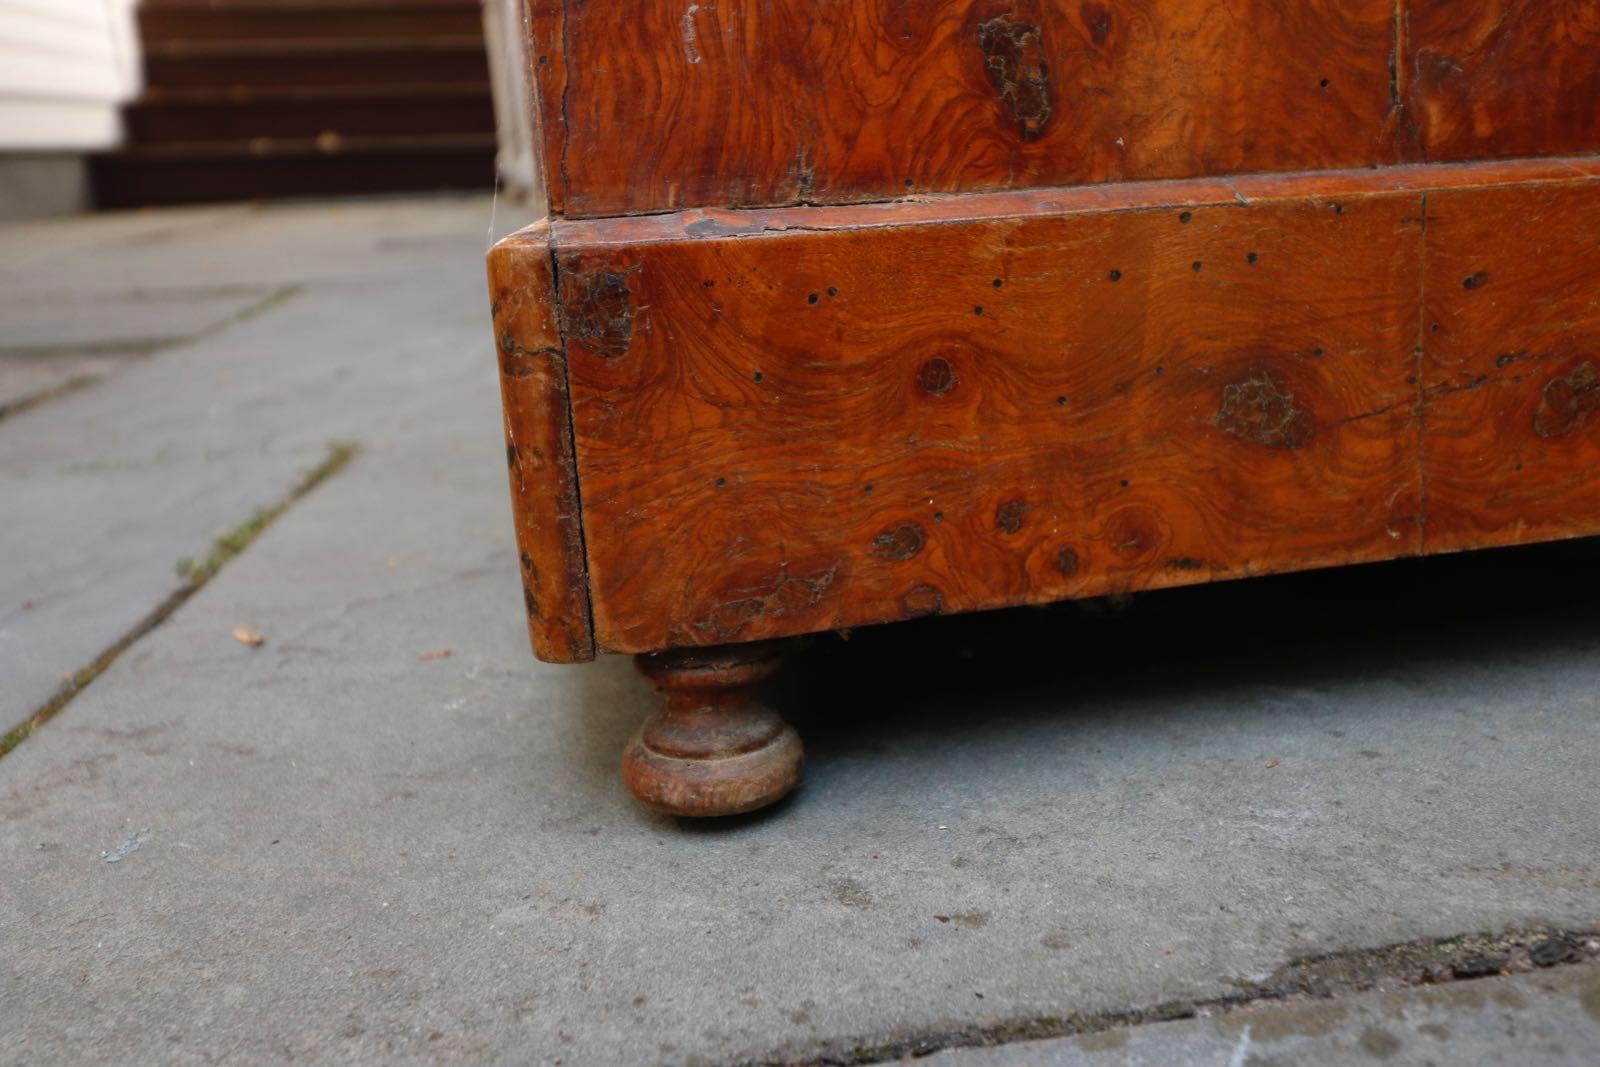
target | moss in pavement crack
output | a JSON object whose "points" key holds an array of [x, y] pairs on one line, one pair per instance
{"points": [[195, 574]]}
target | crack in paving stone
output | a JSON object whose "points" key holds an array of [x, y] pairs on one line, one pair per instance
{"points": [[132, 347], [44, 396], [1408, 964], [195, 574], [121, 346], [265, 301]]}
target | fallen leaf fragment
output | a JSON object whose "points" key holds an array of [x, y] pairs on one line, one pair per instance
{"points": [[443, 653], [247, 636], [1272, 763]]}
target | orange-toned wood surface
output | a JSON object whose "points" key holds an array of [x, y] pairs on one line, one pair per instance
{"points": [[814, 430], [1502, 78], [651, 106], [654, 106], [1512, 367], [797, 420], [544, 491]]}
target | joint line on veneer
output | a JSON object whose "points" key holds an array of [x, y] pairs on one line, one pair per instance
{"points": [[1397, 86], [566, 107], [926, 212], [1418, 367], [558, 311]]}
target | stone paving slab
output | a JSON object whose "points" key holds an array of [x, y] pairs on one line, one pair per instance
{"points": [[345, 846], [259, 244], [135, 320], [1547, 1019], [107, 489]]}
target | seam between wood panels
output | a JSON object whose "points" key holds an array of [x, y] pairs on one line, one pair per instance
{"points": [[745, 224], [1397, 52], [565, 202], [1422, 391], [533, 107], [558, 313], [1413, 146]]}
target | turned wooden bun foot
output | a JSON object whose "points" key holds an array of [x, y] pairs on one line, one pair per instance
{"points": [[713, 749]]}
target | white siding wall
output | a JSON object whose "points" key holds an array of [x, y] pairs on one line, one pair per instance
{"points": [[65, 66], [505, 27]]}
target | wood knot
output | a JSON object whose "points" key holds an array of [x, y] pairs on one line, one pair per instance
{"points": [[1567, 401], [1014, 58], [1256, 409], [899, 543], [1067, 561], [1008, 517], [597, 309], [937, 376]]}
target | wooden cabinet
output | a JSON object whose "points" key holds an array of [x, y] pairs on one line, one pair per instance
{"points": [[871, 311]]}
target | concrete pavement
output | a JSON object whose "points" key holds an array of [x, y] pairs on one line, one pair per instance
{"points": [[206, 406], [387, 835], [1540, 1019]]}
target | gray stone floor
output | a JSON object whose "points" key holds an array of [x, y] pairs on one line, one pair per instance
{"points": [[346, 846], [1552, 1017]]}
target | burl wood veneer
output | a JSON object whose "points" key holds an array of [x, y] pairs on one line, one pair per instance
{"points": [[760, 383]]}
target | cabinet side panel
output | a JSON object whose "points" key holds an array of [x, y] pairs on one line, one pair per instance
{"points": [[539, 455]]}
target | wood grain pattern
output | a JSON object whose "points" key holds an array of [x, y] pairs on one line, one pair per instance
{"points": [[853, 425], [1502, 78], [1512, 370], [651, 106], [800, 419], [544, 489]]}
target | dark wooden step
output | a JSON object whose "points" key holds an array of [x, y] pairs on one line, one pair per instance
{"points": [[444, 60], [349, 111], [191, 173], [173, 20]]}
